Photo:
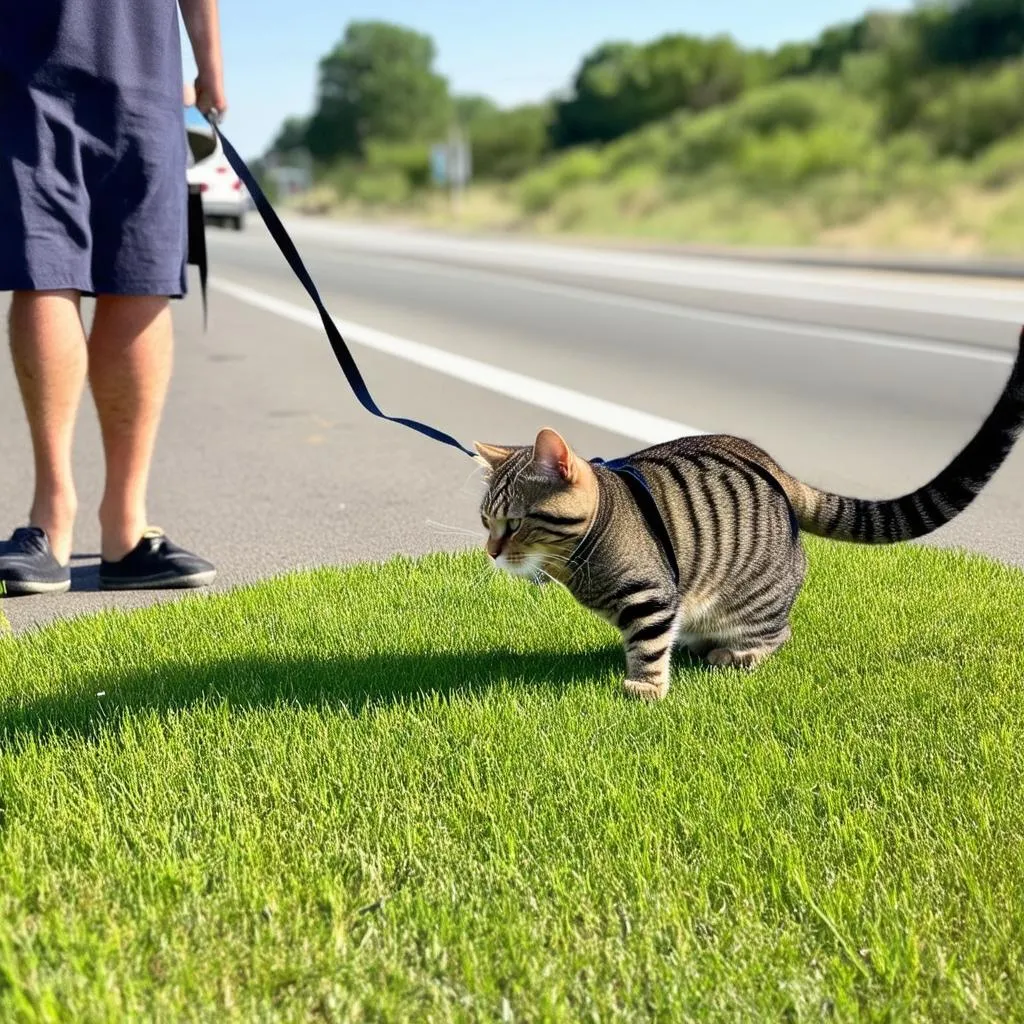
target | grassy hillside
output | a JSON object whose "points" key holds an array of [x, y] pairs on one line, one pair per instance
{"points": [[902, 131], [799, 162]]}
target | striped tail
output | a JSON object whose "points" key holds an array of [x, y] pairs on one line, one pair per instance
{"points": [[931, 506]]}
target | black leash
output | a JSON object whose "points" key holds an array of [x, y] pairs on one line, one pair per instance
{"points": [[290, 253], [197, 240], [628, 473]]}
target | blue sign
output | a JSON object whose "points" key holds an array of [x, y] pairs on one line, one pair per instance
{"points": [[439, 163]]}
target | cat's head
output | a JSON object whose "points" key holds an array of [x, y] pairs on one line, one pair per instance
{"points": [[540, 502]]}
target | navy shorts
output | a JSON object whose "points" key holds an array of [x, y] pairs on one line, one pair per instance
{"points": [[93, 194]]}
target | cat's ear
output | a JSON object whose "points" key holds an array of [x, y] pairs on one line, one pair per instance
{"points": [[492, 455], [554, 456]]}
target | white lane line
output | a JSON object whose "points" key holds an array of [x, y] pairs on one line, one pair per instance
{"points": [[597, 412], [745, 321]]}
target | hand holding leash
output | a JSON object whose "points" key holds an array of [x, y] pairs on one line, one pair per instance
{"points": [[210, 99]]}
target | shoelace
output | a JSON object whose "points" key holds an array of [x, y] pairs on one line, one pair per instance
{"points": [[29, 539]]}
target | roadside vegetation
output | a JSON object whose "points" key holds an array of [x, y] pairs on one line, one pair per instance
{"points": [[893, 131]]}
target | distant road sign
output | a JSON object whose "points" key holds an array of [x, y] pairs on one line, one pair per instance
{"points": [[451, 162], [439, 163]]}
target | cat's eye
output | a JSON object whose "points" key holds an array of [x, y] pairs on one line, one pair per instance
{"points": [[511, 525]]}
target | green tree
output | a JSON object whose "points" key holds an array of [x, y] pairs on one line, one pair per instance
{"points": [[470, 110], [926, 57], [504, 143], [835, 44], [507, 143], [292, 136], [378, 83], [620, 87], [974, 32], [791, 59]]}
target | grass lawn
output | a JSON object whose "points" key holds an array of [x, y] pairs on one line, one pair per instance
{"points": [[414, 792]]}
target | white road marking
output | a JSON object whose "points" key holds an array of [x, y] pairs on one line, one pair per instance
{"points": [[597, 412]]}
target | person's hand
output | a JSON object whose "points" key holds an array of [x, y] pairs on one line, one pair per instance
{"points": [[210, 97]]}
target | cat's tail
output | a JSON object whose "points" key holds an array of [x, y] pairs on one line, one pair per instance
{"points": [[931, 506]]}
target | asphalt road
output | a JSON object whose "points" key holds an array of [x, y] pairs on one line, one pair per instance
{"points": [[857, 381]]}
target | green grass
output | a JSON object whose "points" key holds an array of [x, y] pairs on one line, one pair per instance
{"points": [[414, 792]]}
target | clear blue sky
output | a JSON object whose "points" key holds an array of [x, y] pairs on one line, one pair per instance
{"points": [[512, 51]]}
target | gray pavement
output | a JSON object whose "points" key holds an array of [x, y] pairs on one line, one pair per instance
{"points": [[863, 382]]}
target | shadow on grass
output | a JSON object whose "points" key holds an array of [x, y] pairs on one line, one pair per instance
{"points": [[354, 684]]}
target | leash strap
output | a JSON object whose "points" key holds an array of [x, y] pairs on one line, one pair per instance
{"points": [[629, 474], [338, 343], [197, 240], [641, 491]]}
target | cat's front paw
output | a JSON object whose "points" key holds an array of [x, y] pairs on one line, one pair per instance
{"points": [[645, 691]]}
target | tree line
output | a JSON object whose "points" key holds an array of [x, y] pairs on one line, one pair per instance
{"points": [[379, 91]]}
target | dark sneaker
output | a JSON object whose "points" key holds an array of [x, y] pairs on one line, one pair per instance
{"points": [[156, 563], [27, 565]]}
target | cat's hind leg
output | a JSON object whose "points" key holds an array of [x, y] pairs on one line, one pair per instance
{"points": [[747, 652], [756, 624]]}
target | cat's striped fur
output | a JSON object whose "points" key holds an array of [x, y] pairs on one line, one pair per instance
{"points": [[733, 516]]}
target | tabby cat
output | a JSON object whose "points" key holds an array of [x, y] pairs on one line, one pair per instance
{"points": [[696, 542]]}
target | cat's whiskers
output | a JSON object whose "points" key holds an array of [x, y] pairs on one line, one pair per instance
{"points": [[546, 554], [544, 572], [556, 560], [482, 579], [450, 528], [584, 565], [474, 475]]}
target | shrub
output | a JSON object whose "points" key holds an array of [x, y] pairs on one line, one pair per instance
{"points": [[788, 159], [704, 141], [539, 189], [410, 160], [650, 147], [844, 198], [796, 106], [786, 110], [974, 112], [507, 143], [382, 188], [1002, 163]]}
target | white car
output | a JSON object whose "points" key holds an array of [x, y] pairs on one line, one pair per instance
{"points": [[225, 198]]}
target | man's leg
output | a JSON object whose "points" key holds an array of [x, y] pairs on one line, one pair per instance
{"points": [[48, 349], [130, 357], [130, 354]]}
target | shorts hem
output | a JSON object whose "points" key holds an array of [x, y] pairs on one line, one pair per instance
{"points": [[161, 290]]}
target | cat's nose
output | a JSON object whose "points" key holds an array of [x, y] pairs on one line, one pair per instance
{"points": [[494, 546]]}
